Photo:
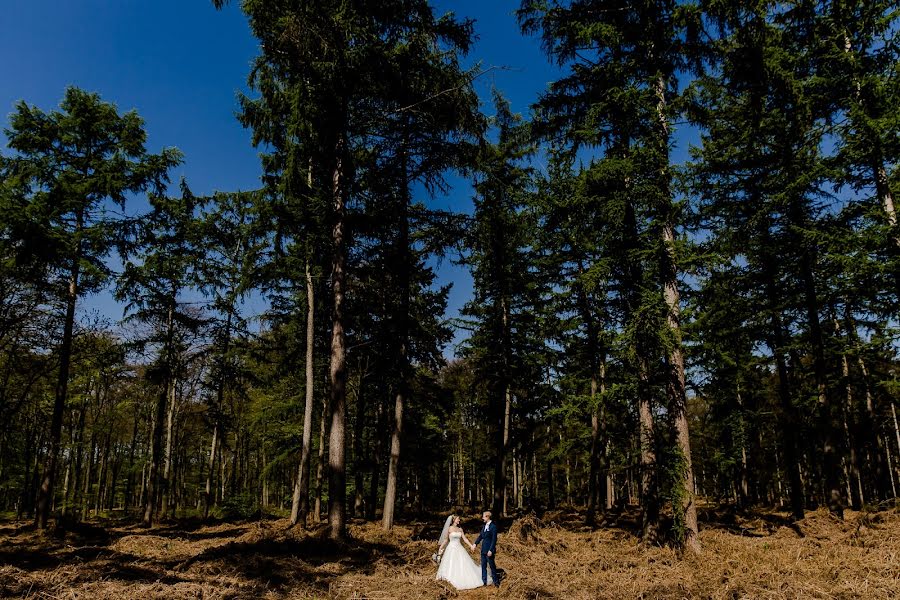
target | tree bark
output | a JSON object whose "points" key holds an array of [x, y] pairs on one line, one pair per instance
{"points": [[170, 432], [300, 504], [745, 484], [675, 385], [154, 480], [831, 461], [210, 470], [501, 462], [401, 319], [646, 429], [789, 421], [647, 439], [592, 358], [45, 494], [359, 501], [390, 490], [375, 473], [337, 492], [320, 465]]}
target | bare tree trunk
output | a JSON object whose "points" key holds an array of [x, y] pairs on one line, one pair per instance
{"points": [[375, 472], [88, 474], [592, 358], [45, 494], [129, 481], [390, 490], [887, 452], [359, 501], [320, 465], [101, 482], [686, 512], [500, 494], [153, 480], [402, 268], [153, 477], [647, 439], [854, 471], [745, 485], [79, 458], [300, 504], [210, 470], [788, 421], [338, 371], [896, 427], [831, 461], [460, 471], [170, 432]]}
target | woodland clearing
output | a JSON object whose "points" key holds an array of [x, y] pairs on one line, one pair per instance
{"points": [[745, 555]]}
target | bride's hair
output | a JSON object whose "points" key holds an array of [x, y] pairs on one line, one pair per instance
{"points": [[451, 520]]}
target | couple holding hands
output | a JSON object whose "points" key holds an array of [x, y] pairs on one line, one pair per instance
{"points": [[455, 564]]}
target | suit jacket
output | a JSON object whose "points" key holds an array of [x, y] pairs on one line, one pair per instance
{"points": [[489, 538]]}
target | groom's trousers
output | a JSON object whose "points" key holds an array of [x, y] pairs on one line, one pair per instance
{"points": [[485, 561]]}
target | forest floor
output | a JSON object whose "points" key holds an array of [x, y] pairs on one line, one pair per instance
{"points": [[754, 555]]}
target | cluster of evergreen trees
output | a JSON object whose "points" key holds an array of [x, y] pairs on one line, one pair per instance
{"points": [[644, 329]]}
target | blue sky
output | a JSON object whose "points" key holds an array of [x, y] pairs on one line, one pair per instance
{"points": [[180, 64]]}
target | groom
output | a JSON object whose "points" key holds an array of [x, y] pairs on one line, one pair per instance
{"points": [[488, 535]]}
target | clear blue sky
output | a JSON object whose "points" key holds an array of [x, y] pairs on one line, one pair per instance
{"points": [[180, 63]]}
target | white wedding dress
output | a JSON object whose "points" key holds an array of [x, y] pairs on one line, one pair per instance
{"points": [[457, 566]]}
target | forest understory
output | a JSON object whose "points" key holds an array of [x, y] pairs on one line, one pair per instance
{"points": [[755, 554]]}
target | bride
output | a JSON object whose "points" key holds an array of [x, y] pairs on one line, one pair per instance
{"points": [[456, 565]]}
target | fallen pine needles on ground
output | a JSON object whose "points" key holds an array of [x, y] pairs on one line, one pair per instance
{"points": [[757, 555]]}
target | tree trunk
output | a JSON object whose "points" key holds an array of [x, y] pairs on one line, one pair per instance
{"points": [[646, 429], [592, 359], [170, 431], [45, 494], [677, 396], [551, 483], [856, 497], [154, 480], [402, 270], [359, 501], [88, 474], [129, 481], [789, 421], [320, 465], [745, 485], [896, 428], [647, 439], [338, 371], [375, 475], [686, 510], [390, 490], [609, 482], [210, 470], [460, 471], [300, 504], [831, 461], [79, 458], [101, 478], [501, 462]]}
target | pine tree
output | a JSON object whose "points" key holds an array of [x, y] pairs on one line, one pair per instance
{"points": [[67, 166], [498, 242], [621, 95]]}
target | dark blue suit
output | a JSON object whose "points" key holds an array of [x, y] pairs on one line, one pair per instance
{"points": [[488, 537]]}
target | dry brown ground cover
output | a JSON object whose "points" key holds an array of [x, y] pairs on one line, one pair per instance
{"points": [[759, 555]]}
